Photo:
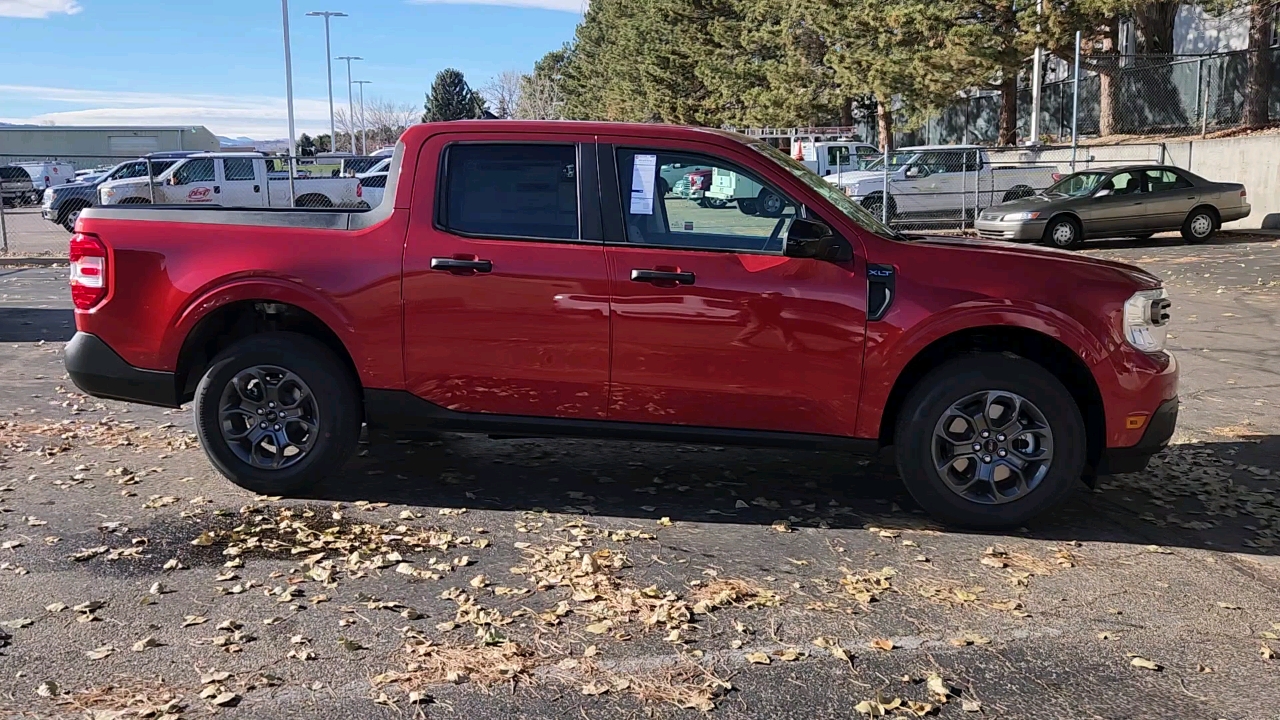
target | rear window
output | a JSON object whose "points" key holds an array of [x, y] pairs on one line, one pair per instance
{"points": [[374, 181], [14, 173], [517, 191]]}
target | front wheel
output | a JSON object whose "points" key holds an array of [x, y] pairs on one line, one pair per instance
{"points": [[1063, 233], [1199, 226], [770, 204], [990, 440], [747, 207], [277, 413]]}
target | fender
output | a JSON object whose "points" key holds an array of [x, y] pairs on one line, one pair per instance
{"points": [[258, 287], [888, 353]]}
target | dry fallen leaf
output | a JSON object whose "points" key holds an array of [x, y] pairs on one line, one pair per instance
{"points": [[882, 644], [225, 698], [758, 658], [1228, 606], [99, 653], [48, 688], [970, 705], [938, 687], [1266, 652], [145, 643], [1144, 663]]}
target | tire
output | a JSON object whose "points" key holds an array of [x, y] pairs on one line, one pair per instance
{"points": [[1200, 225], [1063, 233], [747, 207], [1017, 192], [135, 201], [334, 405], [1142, 236], [769, 204], [717, 203], [932, 401], [313, 200], [70, 216], [873, 205]]}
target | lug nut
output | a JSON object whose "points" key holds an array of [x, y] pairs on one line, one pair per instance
{"points": [[264, 424], [977, 446], [1000, 437], [277, 427], [271, 404], [1002, 452], [986, 434], [986, 458], [260, 411]]}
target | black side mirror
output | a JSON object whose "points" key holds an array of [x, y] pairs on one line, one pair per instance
{"points": [[814, 239]]}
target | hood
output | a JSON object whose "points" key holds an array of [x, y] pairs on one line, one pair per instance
{"points": [[1141, 277], [1035, 202], [73, 186], [854, 177]]}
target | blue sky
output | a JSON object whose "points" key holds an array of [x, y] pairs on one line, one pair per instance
{"points": [[221, 64]]}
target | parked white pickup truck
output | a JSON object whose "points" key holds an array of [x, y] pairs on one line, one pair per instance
{"points": [[940, 182], [234, 180], [828, 158]]}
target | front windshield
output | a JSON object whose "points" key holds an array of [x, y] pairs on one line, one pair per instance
{"points": [[896, 160], [829, 192], [1077, 185]]}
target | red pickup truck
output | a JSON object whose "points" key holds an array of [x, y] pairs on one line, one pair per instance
{"points": [[540, 279]]}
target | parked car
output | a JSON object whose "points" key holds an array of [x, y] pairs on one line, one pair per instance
{"points": [[354, 165], [373, 186], [15, 186], [47, 174], [1135, 201], [934, 182], [382, 166], [479, 301], [231, 179], [62, 205]]}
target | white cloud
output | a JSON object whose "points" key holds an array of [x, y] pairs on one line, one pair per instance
{"points": [[574, 6], [255, 116], [37, 8]]}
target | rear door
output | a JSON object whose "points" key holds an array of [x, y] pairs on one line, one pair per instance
{"points": [[191, 183], [240, 184], [1170, 196], [712, 325], [506, 297]]}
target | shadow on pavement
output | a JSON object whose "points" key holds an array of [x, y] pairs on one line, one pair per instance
{"points": [[35, 324], [1174, 239], [1220, 495]]}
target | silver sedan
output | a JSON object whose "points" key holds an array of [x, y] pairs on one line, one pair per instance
{"points": [[1133, 201]]}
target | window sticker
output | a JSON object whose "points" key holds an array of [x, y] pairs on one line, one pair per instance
{"points": [[643, 182]]}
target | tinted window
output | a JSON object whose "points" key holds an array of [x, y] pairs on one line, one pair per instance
{"points": [[14, 173], [1160, 180], [238, 168], [195, 171], [374, 181], [716, 206], [528, 191]]}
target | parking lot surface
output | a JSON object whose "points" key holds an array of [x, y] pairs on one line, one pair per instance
{"points": [[477, 577]]}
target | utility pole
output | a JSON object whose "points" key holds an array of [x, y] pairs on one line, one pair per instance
{"points": [[288, 85], [328, 63], [351, 104], [364, 126]]}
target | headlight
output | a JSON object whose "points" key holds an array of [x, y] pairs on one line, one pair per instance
{"points": [[1146, 320], [1019, 217], [108, 192]]}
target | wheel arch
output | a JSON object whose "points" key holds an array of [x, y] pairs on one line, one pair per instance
{"points": [[1049, 352], [1213, 210], [229, 313]]}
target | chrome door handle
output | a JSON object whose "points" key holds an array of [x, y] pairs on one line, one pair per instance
{"points": [[460, 266]]}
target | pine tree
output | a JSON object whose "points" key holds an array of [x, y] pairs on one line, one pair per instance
{"points": [[451, 98]]}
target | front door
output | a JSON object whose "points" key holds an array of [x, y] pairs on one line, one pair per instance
{"points": [[192, 183], [1120, 209], [712, 325], [506, 298], [239, 185]]}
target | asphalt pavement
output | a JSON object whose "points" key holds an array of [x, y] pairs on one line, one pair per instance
{"points": [[477, 577]]}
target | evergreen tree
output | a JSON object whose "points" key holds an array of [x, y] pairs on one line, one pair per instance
{"points": [[451, 98]]}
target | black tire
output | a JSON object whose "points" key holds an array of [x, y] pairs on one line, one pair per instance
{"points": [[1200, 225], [1063, 233], [747, 207], [934, 395], [135, 201], [334, 390], [70, 215], [770, 204], [717, 203], [874, 204], [1017, 192]]}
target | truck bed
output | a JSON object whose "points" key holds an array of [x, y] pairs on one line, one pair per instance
{"points": [[312, 218]]}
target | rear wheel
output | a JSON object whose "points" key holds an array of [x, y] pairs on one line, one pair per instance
{"points": [[1063, 233], [277, 413], [70, 216], [990, 440], [1200, 225], [747, 207], [770, 204], [874, 204], [717, 203]]}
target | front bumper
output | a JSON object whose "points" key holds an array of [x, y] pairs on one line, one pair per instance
{"points": [[1156, 438], [998, 230], [96, 369]]}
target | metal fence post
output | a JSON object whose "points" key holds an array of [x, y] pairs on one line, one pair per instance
{"points": [[1075, 105], [151, 181], [4, 229], [884, 185], [1204, 106]]}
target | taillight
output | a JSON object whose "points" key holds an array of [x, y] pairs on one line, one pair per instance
{"points": [[88, 271], [1244, 193], [46, 179], [359, 189]]}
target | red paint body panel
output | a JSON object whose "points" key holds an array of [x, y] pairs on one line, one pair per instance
{"points": [[760, 342]]}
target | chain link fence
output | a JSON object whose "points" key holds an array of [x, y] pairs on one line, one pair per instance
{"points": [[44, 195], [943, 189]]}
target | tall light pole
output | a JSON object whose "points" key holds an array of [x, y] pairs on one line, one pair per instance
{"points": [[288, 88], [351, 105], [328, 63], [364, 127]]}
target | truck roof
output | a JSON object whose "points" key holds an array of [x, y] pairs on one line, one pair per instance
{"points": [[921, 148], [648, 130]]}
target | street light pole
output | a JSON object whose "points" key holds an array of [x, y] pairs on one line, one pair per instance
{"points": [[364, 126], [351, 105], [288, 85], [328, 63]]}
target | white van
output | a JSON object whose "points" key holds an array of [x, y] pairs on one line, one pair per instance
{"points": [[45, 175]]}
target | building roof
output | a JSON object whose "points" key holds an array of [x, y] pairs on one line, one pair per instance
{"points": [[101, 128]]}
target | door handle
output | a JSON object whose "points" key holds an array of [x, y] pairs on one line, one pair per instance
{"points": [[662, 276], [256, 188], [217, 190], [460, 266]]}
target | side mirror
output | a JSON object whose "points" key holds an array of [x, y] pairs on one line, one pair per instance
{"points": [[1102, 193], [813, 239], [915, 171]]}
